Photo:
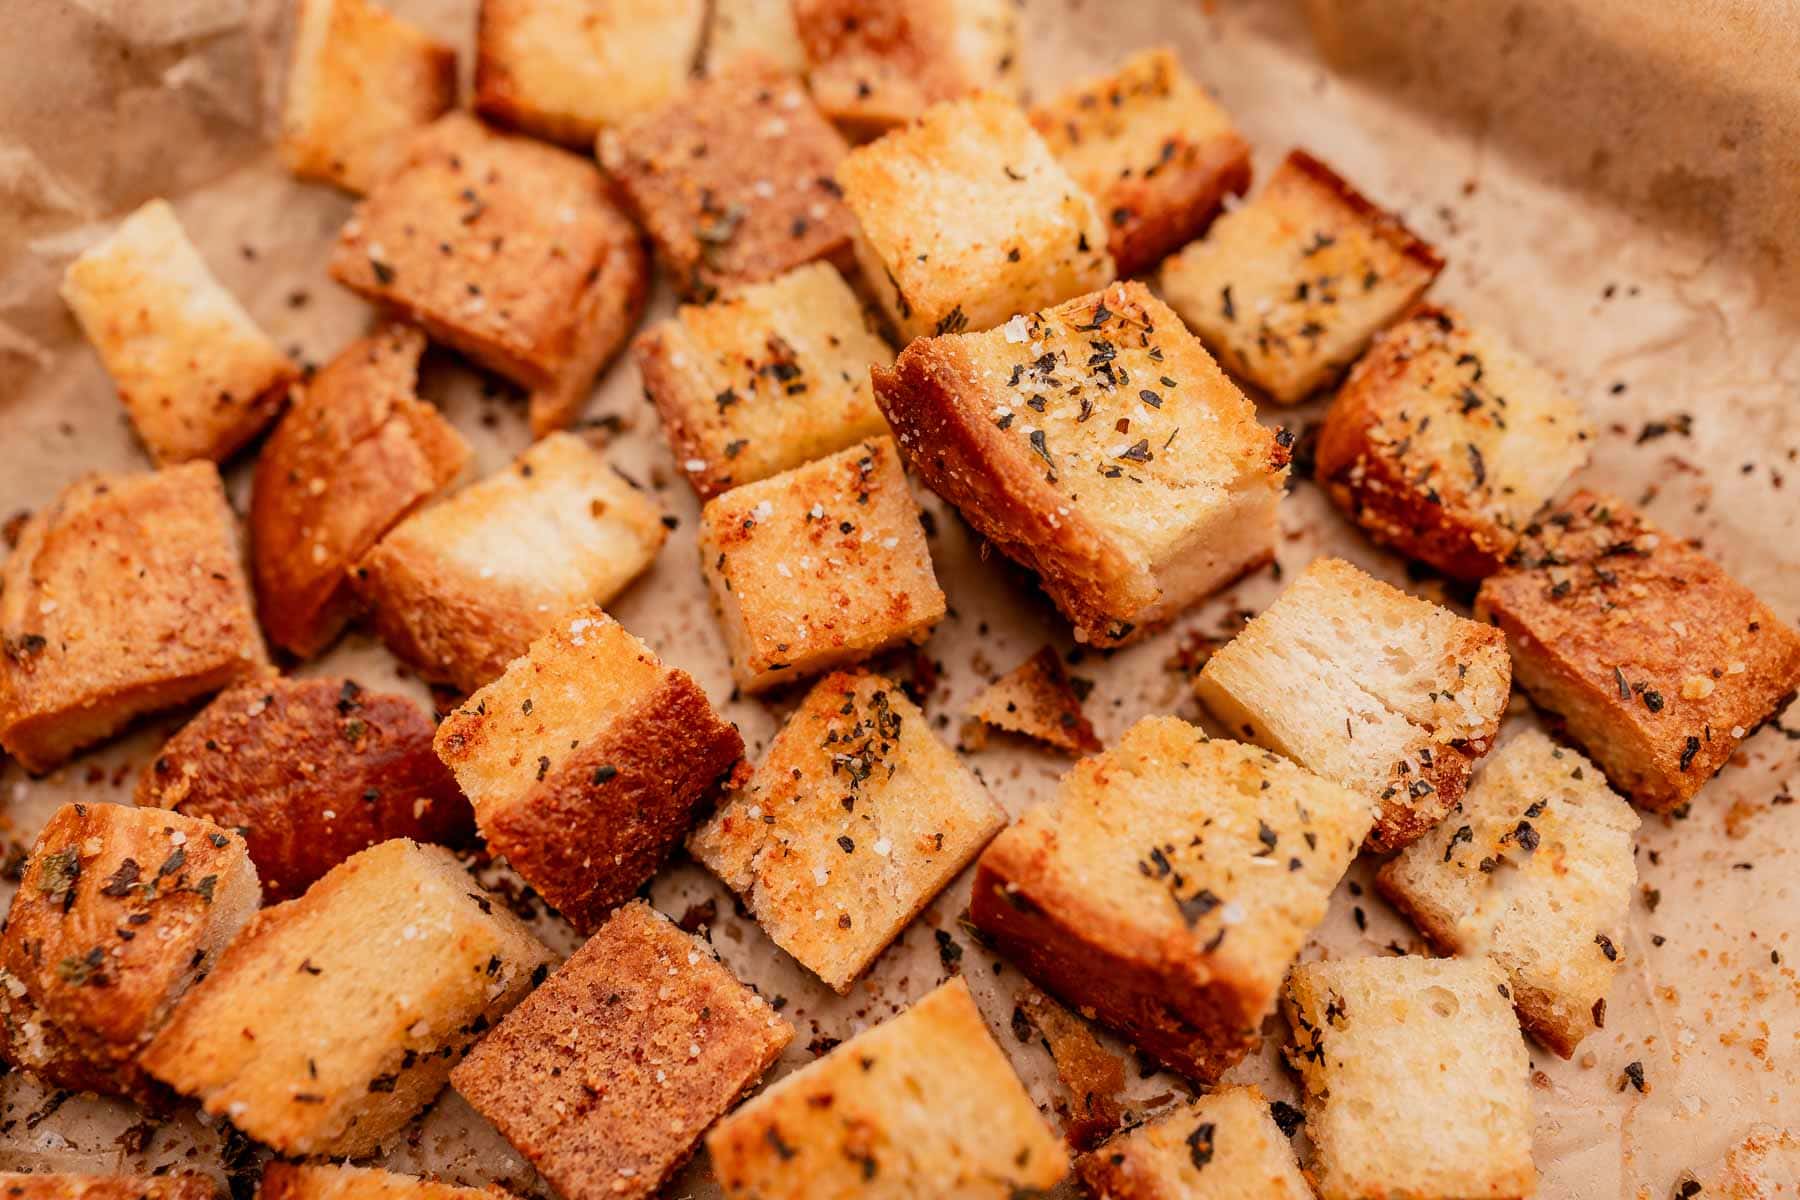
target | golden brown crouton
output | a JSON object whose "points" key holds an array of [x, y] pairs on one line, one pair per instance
{"points": [[1036, 699], [124, 596], [543, 278], [196, 375], [765, 28], [1169, 886], [45, 1185], [1100, 446], [1658, 662], [1223, 1145], [119, 911], [340, 1181], [334, 1019], [356, 453], [1289, 288], [585, 761], [605, 1078]]}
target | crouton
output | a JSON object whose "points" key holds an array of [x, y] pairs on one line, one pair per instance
{"points": [[1764, 1164], [124, 596], [118, 912], [605, 1078], [1445, 440], [1225, 1145], [45, 1185], [855, 818], [765, 28], [1415, 1078], [765, 381], [355, 454], [1392, 696], [196, 375], [733, 180], [819, 566], [462, 588], [1099, 445], [1658, 663], [1141, 895], [565, 69], [1037, 699], [1534, 869], [585, 761], [507, 250], [1156, 152], [308, 772], [340, 1181], [1288, 289], [399, 961], [360, 82], [924, 1104]]}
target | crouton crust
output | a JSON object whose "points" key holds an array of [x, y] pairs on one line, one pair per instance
{"points": [[1036, 699], [48, 1185], [765, 27], [340, 1181], [1223, 1145]]}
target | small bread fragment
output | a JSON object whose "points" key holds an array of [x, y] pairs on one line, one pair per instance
{"points": [[855, 818], [1392, 696], [1036, 699], [764, 28], [48, 1185], [924, 1104], [196, 375], [1288, 289], [125, 595], [119, 912], [1099, 445], [398, 961], [1224, 1145], [818, 567], [341, 1181], [1169, 886], [308, 772], [585, 761], [462, 588], [1415, 1077], [764, 381], [605, 1078], [1658, 663]]}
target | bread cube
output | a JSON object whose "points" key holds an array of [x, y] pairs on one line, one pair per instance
{"points": [[360, 82], [462, 588], [819, 566], [398, 961], [340, 1181], [607, 1076], [46, 1185], [1097, 444], [1141, 894], [1288, 289], [1658, 663], [356, 452], [1036, 699], [764, 28], [765, 381], [585, 761], [1223, 1145], [119, 911], [125, 595], [308, 772], [1156, 152], [196, 375], [965, 219], [507, 250], [1415, 1078], [1392, 696], [733, 179], [564, 69], [923, 1104]]}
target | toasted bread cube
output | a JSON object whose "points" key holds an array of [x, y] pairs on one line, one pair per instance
{"points": [[1658, 662], [1154, 150], [124, 596], [462, 588], [606, 1077], [1415, 1077], [308, 772], [1392, 696], [118, 913], [45, 1185], [360, 82], [399, 962], [1037, 699], [543, 279], [1140, 894], [196, 375], [764, 28], [341, 1181], [1100, 446], [764, 381], [1288, 289], [356, 452], [585, 761], [819, 566], [1223, 1145]]}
